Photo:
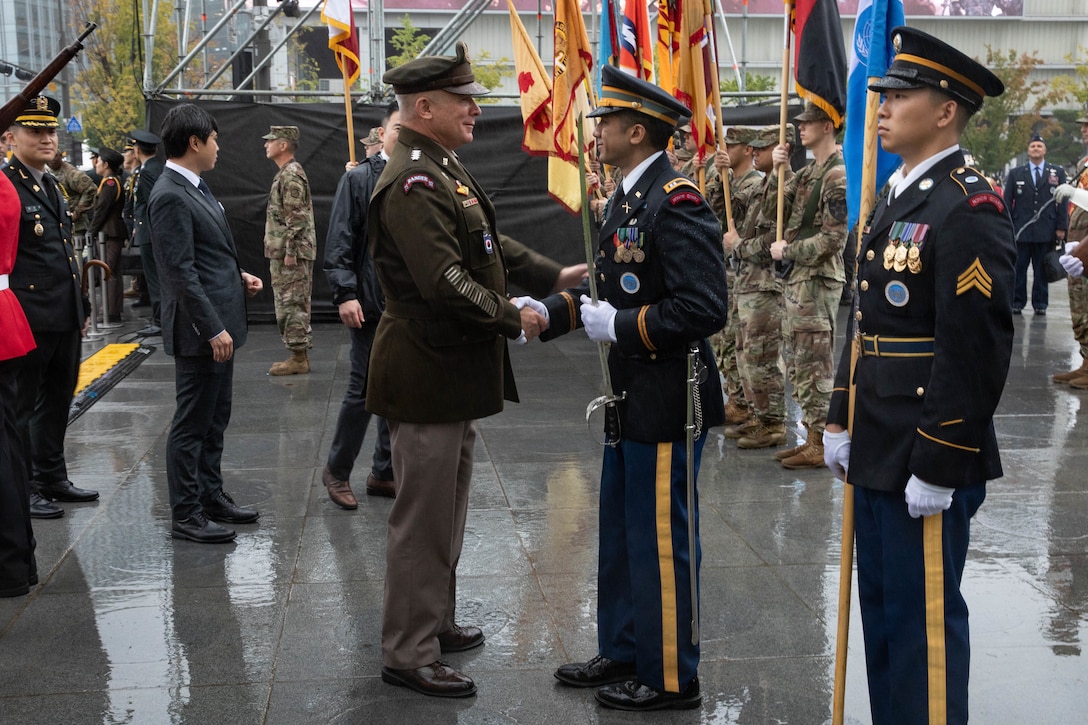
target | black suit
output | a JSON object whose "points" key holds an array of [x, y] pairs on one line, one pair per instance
{"points": [[202, 295], [145, 181], [46, 280], [1025, 199]]}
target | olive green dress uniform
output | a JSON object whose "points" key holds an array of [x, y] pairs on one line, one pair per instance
{"points": [[289, 231], [814, 285], [440, 358]]}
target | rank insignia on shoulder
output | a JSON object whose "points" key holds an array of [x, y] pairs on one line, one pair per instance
{"points": [[975, 277], [685, 196], [679, 182], [988, 197], [418, 179], [416, 154]]}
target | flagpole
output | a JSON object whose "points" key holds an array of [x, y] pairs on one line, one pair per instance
{"points": [[708, 23], [347, 112], [782, 116]]}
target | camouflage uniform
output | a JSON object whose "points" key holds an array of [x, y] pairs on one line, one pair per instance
{"points": [[814, 286], [289, 231], [80, 192], [1078, 286], [758, 294]]}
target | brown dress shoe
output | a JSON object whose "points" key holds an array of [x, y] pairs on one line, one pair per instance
{"points": [[340, 492], [460, 639], [377, 487], [436, 679]]}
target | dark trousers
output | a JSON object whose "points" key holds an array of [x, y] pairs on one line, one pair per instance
{"points": [[352, 422], [18, 568], [1031, 253], [194, 447], [46, 379], [644, 605], [910, 676], [151, 281], [115, 294]]}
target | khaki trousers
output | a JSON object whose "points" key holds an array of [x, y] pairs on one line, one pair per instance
{"points": [[432, 465]]}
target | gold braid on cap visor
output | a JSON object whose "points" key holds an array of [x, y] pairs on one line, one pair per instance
{"points": [[37, 121], [612, 97], [918, 60]]}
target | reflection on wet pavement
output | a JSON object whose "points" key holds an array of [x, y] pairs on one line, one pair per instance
{"points": [[283, 625]]}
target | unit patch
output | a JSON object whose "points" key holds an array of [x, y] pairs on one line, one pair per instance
{"points": [[418, 179], [685, 196]]}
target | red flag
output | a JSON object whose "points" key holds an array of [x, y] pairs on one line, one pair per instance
{"points": [[636, 51], [343, 37], [696, 85], [819, 61]]}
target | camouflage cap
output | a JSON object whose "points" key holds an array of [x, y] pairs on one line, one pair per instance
{"points": [[372, 138], [436, 73], [287, 133], [769, 136], [812, 112], [739, 135]]}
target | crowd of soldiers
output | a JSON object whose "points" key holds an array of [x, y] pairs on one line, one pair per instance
{"points": [[781, 311]]}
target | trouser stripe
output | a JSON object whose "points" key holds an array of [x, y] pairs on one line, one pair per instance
{"points": [[670, 657], [933, 553]]}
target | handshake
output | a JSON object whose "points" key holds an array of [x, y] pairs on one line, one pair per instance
{"points": [[599, 319]]}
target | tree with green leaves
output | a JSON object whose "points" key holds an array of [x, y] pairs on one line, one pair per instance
{"points": [[752, 84], [108, 83], [409, 42], [1000, 131]]}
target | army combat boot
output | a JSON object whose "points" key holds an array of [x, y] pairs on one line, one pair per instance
{"points": [[735, 413], [738, 430], [765, 435], [811, 454], [297, 364], [1081, 372], [783, 455]]}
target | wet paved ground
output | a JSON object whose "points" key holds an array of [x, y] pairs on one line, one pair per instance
{"points": [[282, 626]]}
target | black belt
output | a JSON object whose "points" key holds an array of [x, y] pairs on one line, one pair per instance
{"points": [[880, 346]]}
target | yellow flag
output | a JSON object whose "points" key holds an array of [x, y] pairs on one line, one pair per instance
{"points": [[535, 87], [696, 85]]}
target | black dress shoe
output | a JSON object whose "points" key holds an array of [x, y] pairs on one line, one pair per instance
{"points": [[598, 671], [1041, 312], [436, 679], [221, 507], [1016, 310], [633, 696], [460, 639], [199, 529], [65, 491], [42, 509]]}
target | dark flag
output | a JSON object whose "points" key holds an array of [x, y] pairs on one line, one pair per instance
{"points": [[819, 61]]}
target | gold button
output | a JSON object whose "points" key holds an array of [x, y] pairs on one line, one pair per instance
{"points": [[864, 285], [653, 355], [921, 391], [73, 276], [602, 276], [857, 315], [31, 286], [870, 255]]}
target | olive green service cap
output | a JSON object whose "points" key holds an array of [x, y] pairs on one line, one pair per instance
{"points": [[436, 73]]}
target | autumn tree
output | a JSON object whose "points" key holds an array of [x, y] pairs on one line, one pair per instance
{"points": [[108, 88], [1000, 131]]}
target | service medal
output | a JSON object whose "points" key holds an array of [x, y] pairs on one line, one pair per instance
{"points": [[39, 229], [639, 255], [889, 256], [914, 260], [618, 256], [627, 256], [900, 263]]}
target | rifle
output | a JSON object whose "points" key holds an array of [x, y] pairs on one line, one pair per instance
{"points": [[35, 85]]}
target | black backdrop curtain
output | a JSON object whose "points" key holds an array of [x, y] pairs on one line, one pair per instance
{"points": [[516, 182]]}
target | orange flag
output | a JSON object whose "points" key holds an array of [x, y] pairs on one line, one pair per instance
{"points": [[573, 62], [535, 87], [668, 45], [696, 81]]}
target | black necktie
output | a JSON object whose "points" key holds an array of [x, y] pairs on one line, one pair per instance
{"points": [[207, 192], [1038, 176], [50, 190]]}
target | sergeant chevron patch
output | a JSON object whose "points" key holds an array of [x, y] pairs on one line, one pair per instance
{"points": [[975, 277]]}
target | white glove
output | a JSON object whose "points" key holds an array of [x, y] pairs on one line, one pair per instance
{"points": [[534, 305], [1063, 192], [925, 499], [837, 452], [1070, 246], [1072, 266], [599, 320]]}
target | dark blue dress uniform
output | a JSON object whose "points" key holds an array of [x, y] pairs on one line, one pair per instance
{"points": [[1036, 234], [659, 263], [933, 321]]}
